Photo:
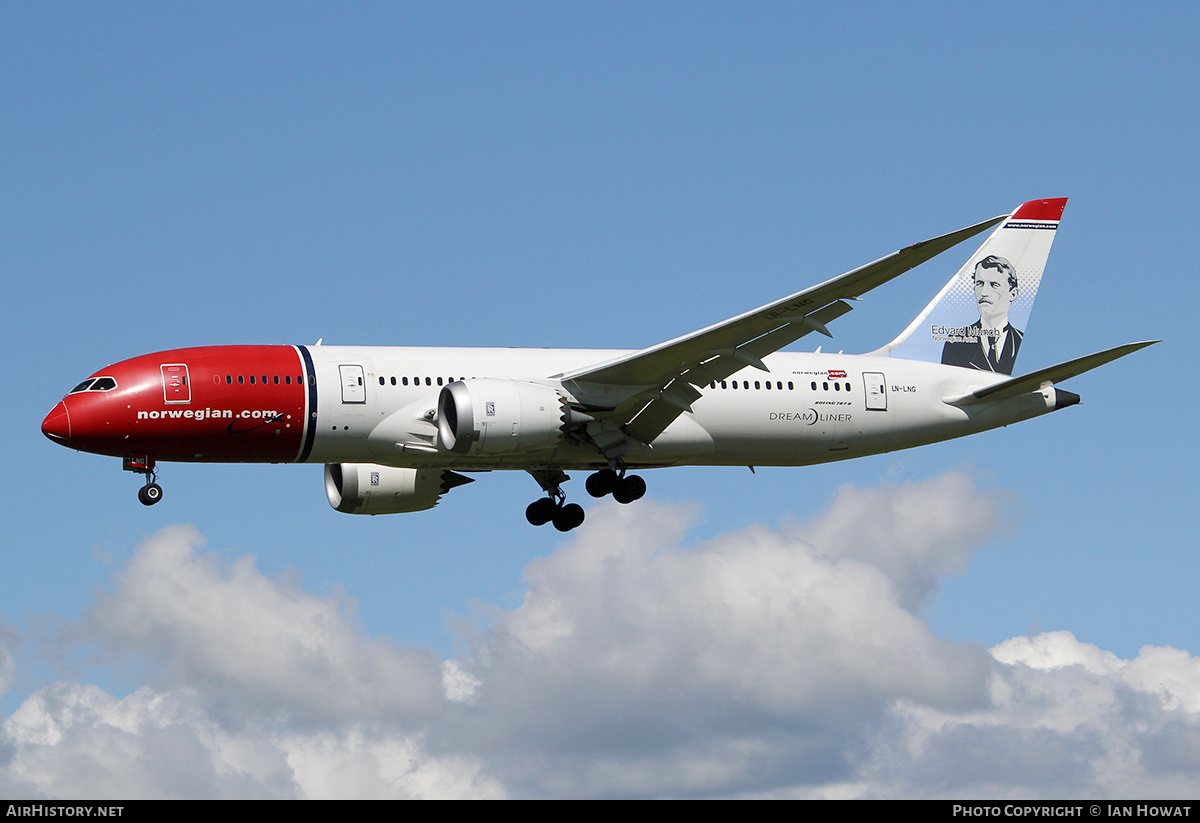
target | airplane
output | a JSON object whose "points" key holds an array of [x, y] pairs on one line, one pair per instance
{"points": [[397, 428]]}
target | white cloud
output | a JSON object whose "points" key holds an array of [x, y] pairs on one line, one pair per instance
{"points": [[1065, 719], [783, 662], [8, 642], [253, 645], [1172, 674], [79, 741], [915, 533], [259, 689], [640, 666]]}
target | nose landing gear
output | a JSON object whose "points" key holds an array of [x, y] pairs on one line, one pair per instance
{"points": [[150, 493]]}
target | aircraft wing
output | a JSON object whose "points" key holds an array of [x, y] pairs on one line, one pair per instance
{"points": [[669, 373]]}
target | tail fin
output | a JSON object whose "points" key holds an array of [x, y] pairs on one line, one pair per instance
{"points": [[980, 317]]}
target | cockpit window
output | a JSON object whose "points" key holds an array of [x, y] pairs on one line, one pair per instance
{"points": [[95, 384]]}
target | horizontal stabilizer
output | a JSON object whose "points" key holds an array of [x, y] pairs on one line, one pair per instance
{"points": [[1034, 381]]}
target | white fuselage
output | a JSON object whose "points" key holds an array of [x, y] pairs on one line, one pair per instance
{"points": [[809, 408]]}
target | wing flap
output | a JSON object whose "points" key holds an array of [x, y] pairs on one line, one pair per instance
{"points": [[653, 420]]}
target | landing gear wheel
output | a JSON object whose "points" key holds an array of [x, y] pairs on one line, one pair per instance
{"points": [[602, 482], [542, 511], [568, 517], [150, 494], [630, 488], [553, 508]]}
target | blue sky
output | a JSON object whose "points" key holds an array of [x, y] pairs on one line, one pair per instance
{"points": [[594, 176]]}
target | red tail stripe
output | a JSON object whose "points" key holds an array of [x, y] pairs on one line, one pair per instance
{"points": [[1042, 209]]}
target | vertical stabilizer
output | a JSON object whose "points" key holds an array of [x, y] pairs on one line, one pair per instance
{"points": [[980, 317]]}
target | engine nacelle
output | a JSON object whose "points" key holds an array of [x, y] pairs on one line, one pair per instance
{"points": [[365, 488], [491, 416]]}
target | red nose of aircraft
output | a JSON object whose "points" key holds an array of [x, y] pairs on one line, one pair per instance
{"points": [[57, 425]]}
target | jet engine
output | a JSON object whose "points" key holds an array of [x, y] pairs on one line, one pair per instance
{"points": [[365, 488], [492, 416]]}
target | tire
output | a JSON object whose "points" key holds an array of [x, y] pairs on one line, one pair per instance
{"points": [[569, 517], [150, 494], [631, 488], [541, 511], [602, 483]]}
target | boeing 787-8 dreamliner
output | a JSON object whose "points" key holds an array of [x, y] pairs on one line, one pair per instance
{"points": [[397, 427]]}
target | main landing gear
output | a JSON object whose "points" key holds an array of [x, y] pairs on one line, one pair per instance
{"points": [[565, 516], [555, 509], [624, 488], [150, 493]]}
